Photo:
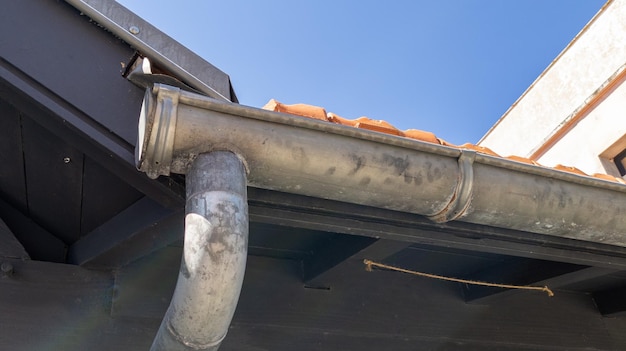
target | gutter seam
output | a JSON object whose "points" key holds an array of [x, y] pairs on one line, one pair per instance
{"points": [[462, 195]]}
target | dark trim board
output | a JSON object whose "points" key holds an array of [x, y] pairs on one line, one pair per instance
{"points": [[140, 229], [286, 210], [331, 216]]}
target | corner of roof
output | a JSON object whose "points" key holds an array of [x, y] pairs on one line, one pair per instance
{"points": [[187, 66]]}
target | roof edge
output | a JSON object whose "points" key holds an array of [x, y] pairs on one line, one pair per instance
{"points": [[159, 47]]}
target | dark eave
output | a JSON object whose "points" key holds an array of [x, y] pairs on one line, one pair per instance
{"points": [[159, 47]]}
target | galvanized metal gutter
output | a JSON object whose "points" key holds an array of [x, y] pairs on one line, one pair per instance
{"points": [[315, 158], [214, 255]]}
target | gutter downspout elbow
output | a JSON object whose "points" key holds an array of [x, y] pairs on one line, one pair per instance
{"points": [[214, 256]]}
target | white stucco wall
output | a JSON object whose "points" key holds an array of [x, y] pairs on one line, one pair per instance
{"points": [[600, 128], [583, 67]]}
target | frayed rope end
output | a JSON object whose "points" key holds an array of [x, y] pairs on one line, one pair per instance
{"points": [[368, 265]]}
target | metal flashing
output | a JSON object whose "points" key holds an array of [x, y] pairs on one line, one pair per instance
{"points": [[159, 47]]}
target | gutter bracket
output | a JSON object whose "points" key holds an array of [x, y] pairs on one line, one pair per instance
{"points": [[461, 198], [140, 72]]}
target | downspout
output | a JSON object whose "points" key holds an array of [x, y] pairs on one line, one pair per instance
{"points": [[214, 255]]}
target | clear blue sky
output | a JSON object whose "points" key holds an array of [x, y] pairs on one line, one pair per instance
{"points": [[450, 67]]}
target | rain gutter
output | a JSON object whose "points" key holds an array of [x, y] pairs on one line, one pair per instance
{"points": [[304, 156]]}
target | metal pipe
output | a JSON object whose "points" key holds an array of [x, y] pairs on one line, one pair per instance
{"points": [[214, 255], [315, 158]]}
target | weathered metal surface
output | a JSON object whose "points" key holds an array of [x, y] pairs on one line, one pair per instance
{"points": [[313, 158], [462, 195], [214, 256]]}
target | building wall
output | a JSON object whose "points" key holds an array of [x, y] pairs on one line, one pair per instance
{"points": [[590, 63], [584, 144]]}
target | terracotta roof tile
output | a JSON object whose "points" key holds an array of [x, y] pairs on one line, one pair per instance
{"points": [[340, 120], [570, 169], [609, 177], [385, 127], [377, 126], [481, 149], [297, 109], [423, 136], [523, 160]]}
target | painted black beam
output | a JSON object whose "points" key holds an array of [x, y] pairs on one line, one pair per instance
{"points": [[142, 228], [332, 216], [38, 242], [611, 303], [286, 210], [554, 275]]}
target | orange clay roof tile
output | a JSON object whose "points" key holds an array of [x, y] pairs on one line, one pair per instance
{"points": [[609, 177], [297, 109], [570, 169], [340, 120], [385, 127], [523, 160], [377, 126], [422, 135], [481, 149]]}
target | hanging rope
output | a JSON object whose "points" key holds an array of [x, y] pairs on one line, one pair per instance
{"points": [[369, 264]]}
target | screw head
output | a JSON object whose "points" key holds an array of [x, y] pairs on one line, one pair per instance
{"points": [[133, 30], [67, 160], [6, 268]]}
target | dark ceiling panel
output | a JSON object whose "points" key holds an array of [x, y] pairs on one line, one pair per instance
{"points": [[104, 195], [284, 242], [444, 261], [53, 181]]}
